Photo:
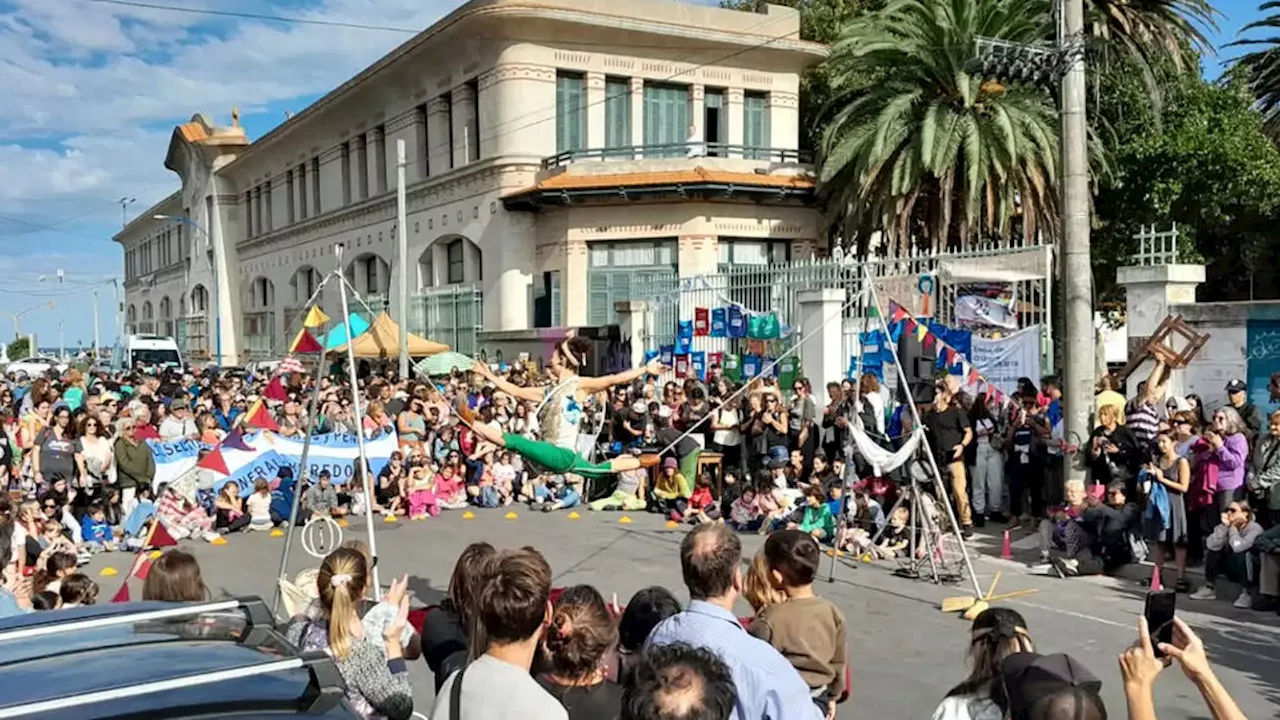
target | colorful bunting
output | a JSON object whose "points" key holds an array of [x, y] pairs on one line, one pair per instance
{"points": [[122, 595], [159, 537], [305, 344], [921, 332], [214, 461], [259, 417], [701, 321], [315, 317], [235, 441], [275, 390], [143, 569]]}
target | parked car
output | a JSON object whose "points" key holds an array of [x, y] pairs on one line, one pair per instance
{"points": [[35, 365], [220, 659]]}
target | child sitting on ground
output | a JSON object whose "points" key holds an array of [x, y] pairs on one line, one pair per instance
{"points": [[556, 494], [702, 506], [744, 513], [504, 478], [95, 530], [258, 506], [808, 630], [451, 494], [77, 590], [774, 506], [671, 490], [816, 518], [422, 496]]}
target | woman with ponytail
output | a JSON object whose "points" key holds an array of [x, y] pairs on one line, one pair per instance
{"points": [[996, 634], [574, 646], [373, 666]]}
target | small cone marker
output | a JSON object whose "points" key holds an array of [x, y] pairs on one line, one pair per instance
{"points": [[511, 516], [672, 524], [866, 558], [109, 572], [1155, 579], [624, 520], [389, 519], [277, 533], [573, 516], [468, 515], [343, 523], [155, 554], [1006, 550], [218, 541]]}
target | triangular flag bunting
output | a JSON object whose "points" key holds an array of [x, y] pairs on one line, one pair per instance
{"points": [[275, 390], [949, 354], [259, 417], [974, 377], [214, 461], [305, 343], [143, 569], [122, 595], [928, 340], [315, 317], [235, 441], [159, 537], [921, 332], [896, 311]]}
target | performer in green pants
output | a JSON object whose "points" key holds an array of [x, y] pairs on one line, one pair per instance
{"points": [[554, 458]]}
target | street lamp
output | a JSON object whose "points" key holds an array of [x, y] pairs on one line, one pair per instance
{"points": [[213, 268], [15, 315]]}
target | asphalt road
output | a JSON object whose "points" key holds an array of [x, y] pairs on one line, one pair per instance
{"points": [[905, 653]]}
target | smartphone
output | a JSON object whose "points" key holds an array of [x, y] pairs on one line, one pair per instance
{"points": [[1159, 614]]}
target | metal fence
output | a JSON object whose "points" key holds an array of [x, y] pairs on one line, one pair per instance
{"points": [[775, 288], [453, 315], [1157, 247]]}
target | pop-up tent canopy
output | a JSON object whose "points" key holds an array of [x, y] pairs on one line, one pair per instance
{"points": [[382, 340]]}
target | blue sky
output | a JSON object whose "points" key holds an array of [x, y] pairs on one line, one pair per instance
{"points": [[92, 92]]}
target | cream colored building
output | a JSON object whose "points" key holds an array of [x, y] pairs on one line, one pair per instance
{"points": [[557, 152]]}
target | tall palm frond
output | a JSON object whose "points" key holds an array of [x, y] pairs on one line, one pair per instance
{"points": [[1147, 28], [1263, 66], [919, 143]]}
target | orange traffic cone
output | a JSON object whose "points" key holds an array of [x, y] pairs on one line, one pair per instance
{"points": [[1155, 580], [1006, 550]]}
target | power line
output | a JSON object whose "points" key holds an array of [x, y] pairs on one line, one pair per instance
{"points": [[254, 16]]}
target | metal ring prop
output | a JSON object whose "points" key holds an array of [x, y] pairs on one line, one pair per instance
{"points": [[320, 536], [925, 285]]}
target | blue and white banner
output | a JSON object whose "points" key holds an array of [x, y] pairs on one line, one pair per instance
{"points": [[335, 452]]}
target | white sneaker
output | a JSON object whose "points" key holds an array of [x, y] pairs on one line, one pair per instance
{"points": [[1204, 593], [1244, 601]]}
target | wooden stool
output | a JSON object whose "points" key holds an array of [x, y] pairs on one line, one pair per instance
{"points": [[711, 459]]}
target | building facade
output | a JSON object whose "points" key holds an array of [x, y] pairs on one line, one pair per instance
{"points": [[555, 153]]}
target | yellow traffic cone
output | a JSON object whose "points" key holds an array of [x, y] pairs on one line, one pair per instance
{"points": [[218, 541], [671, 524], [468, 515], [277, 533], [624, 520], [511, 516], [573, 516], [155, 554], [109, 572]]}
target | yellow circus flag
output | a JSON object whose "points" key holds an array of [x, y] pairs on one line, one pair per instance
{"points": [[315, 317], [921, 331]]}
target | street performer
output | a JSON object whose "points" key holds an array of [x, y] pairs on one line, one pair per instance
{"points": [[561, 413]]}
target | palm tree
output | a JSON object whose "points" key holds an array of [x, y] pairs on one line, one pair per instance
{"points": [[1263, 66], [921, 145], [1147, 28]]}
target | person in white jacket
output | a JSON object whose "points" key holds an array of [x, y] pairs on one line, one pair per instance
{"points": [[1229, 553]]}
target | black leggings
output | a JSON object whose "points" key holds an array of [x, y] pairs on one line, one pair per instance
{"points": [[223, 521]]}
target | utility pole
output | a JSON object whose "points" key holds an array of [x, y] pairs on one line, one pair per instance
{"points": [[1077, 268], [402, 258], [1063, 65], [96, 337]]}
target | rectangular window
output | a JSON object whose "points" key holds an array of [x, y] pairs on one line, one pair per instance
{"points": [[570, 99], [371, 284], [302, 192], [666, 120], [380, 159], [346, 173], [290, 207], [248, 214], [617, 117], [455, 262], [618, 270], [315, 186], [755, 126], [715, 130], [266, 209]]}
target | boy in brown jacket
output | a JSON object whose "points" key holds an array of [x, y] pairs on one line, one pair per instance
{"points": [[808, 630]]}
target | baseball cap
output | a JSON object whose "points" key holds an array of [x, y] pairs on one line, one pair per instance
{"points": [[1236, 386], [1031, 678]]}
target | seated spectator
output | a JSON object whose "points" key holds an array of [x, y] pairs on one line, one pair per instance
{"points": [[744, 513], [1112, 527], [230, 509], [557, 493], [995, 634], [282, 496], [671, 490], [1228, 550], [373, 667], [390, 485], [808, 630], [629, 494], [768, 686], [421, 491], [450, 491], [175, 577], [644, 611], [773, 504], [514, 607], [258, 505], [78, 590], [1061, 530], [574, 646], [702, 506], [816, 518], [96, 532], [680, 682], [448, 629], [322, 498]]}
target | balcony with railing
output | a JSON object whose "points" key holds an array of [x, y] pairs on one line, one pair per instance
{"points": [[677, 171]]}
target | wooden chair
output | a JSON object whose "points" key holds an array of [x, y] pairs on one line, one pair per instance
{"points": [[708, 459]]}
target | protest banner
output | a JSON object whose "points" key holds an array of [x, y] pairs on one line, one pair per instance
{"points": [[1001, 362]]}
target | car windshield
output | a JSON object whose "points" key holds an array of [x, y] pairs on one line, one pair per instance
{"points": [[156, 357]]}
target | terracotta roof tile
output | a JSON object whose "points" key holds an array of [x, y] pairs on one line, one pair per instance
{"points": [[193, 132], [569, 181]]}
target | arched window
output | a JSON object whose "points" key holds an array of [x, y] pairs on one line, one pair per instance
{"points": [[199, 299]]}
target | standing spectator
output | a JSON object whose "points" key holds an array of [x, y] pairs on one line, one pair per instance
{"points": [[677, 682], [1238, 400], [514, 608], [949, 434], [1229, 445], [988, 469], [95, 459], [767, 685], [1114, 453], [55, 449], [179, 425], [1166, 514], [1107, 395], [142, 421], [580, 633], [135, 466], [804, 431]]}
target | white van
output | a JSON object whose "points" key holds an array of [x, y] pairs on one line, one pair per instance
{"points": [[152, 352]]}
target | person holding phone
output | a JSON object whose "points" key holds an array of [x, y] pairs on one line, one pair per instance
{"points": [[1142, 663]]}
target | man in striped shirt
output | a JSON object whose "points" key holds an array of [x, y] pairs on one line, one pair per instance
{"points": [[1142, 414]]}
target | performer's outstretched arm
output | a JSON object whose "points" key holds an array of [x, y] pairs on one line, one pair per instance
{"points": [[596, 384], [532, 394]]}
